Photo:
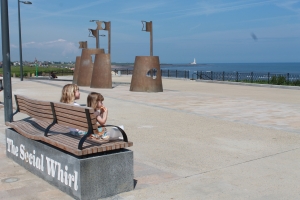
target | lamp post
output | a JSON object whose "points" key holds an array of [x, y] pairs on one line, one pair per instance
{"points": [[20, 40]]}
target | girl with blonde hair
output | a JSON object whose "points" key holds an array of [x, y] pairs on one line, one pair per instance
{"points": [[69, 94]]}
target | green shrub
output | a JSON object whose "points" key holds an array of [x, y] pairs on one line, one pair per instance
{"points": [[273, 80], [295, 83], [278, 80], [31, 69], [281, 80]]}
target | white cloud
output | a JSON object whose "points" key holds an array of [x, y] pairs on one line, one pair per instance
{"points": [[70, 48], [54, 41], [27, 44]]}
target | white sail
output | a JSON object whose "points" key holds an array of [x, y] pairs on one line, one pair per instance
{"points": [[194, 63]]}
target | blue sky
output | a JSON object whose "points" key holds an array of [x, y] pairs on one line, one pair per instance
{"points": [[212, 31]]}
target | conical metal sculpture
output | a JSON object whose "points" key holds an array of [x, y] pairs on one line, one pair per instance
{"points": [[86, 66], [146, 76], [97, 74], [101, 75], [82, 45]]}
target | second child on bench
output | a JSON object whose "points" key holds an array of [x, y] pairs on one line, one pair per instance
{"points": [[95, 100]]}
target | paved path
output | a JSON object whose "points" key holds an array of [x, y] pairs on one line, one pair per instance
{"points": [[195, 140]]}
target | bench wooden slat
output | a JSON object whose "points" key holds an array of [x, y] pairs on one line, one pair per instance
{"points": [[68, 112], [75, 119], [39, 102], [33, 128], [36, 115], [37, 107], [70, 122], [24, 127], [58, 144], [37, 111], [88, 145], [41, 112], [87, 148], [73, 107], [80, 126], [75, 124]]}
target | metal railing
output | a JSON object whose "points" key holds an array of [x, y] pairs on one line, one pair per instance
{"points": [[248, 77], [251, 77]]}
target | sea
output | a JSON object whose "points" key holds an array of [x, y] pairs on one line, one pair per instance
{"points": [[280, 68]]}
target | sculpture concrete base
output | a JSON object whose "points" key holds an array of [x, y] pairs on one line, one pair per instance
{"points": [[90, 177]]}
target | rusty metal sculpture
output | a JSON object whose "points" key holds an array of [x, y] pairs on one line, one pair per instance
{"points": [[97, 74], [101, 73], [146, 76], [107, 27], [95, 32], [76, 69], [86, 66], [82, 45], [101, 77], [147, 26]]}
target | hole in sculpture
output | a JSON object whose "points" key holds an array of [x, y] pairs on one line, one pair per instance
{"points": [[152, 73], [103, 26]]}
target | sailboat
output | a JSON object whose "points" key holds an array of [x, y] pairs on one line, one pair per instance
{"points": [[194, 63]]}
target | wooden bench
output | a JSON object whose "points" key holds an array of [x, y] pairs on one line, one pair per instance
{"points": [[49, 122]]}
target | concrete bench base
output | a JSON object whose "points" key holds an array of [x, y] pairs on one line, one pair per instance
{"points": [[90, 177]]}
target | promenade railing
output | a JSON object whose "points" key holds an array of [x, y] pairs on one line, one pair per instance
{"points": [[248, 77]]}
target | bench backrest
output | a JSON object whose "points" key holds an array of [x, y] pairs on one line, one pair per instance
{"points": [[79, 117], [34, 108]]}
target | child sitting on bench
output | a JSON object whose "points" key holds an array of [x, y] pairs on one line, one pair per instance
{"points": [[95, 100], [69, 94]]}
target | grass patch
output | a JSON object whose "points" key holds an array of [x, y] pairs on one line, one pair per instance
{"points": [[41, 70]]}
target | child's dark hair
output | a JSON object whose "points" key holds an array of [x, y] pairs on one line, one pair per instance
{"points": [[93, 98]]}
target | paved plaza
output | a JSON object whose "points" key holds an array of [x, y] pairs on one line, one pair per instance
{"points": [[195, 140]]}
